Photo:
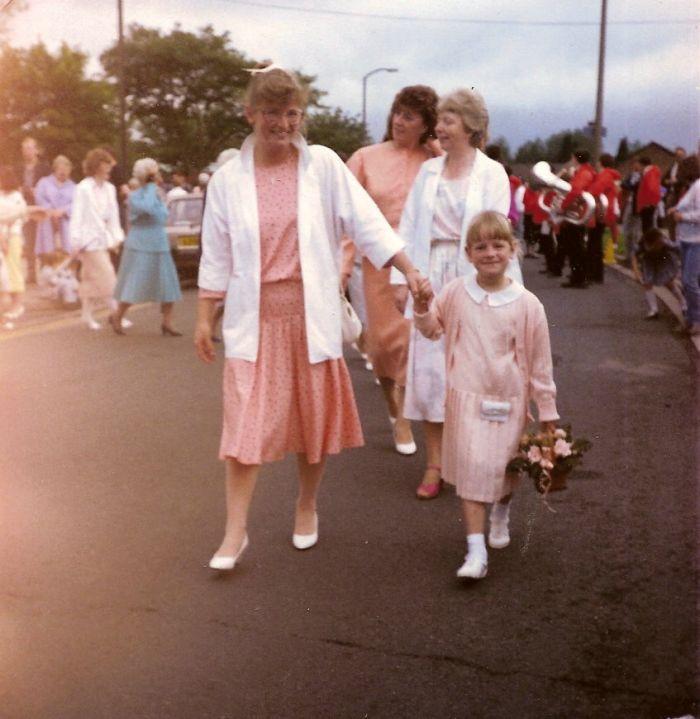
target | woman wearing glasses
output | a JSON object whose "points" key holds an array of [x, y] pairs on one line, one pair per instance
{"points": [[271, 236]]}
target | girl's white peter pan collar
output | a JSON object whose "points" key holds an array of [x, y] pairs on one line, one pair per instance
{"points": [[494, 299]]}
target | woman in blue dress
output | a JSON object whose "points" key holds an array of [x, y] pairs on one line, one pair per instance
{"points": [[147, 272]]}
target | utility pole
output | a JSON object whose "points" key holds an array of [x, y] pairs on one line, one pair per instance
{"points": [[598, 124], [122, 89]]}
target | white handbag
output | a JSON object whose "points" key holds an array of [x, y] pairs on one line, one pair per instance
{"points": [[350, 322]]}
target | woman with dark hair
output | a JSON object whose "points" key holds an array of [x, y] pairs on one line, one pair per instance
{"points": [[387, 170]]}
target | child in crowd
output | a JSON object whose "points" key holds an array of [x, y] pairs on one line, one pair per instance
{"points": [[498, 358], [656, 264]]}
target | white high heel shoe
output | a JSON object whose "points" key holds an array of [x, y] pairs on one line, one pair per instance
{"points": [[306, 541], [405, 448], [226, 563]]}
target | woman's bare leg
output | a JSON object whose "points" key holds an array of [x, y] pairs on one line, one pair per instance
{"points": [[240, 485], [310, 476], [166, 309], [120, 311]]}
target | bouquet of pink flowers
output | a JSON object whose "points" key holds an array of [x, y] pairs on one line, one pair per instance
{"points": [[548, 457]]}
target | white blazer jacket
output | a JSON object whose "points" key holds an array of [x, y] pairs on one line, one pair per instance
{"points": [[488, 189], [88, 230], [331, 203]]}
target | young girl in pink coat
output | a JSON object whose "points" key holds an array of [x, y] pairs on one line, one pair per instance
{"points": [[498, 359]]}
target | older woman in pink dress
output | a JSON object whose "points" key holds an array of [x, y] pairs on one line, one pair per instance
{"points": [[387, 170], [271, 244]]}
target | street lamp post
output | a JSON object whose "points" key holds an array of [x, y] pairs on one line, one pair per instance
{"points": [[364, 90], [122, 87]]}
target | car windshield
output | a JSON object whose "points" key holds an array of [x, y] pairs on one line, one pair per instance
{"points": [[186, 211]]}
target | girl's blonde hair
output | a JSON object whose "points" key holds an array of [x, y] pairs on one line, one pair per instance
{"points": [[275, 87], [491, 225], [471, 109]]}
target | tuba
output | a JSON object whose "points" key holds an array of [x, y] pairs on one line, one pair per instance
{"points": [[601, 208], [580, 210]]}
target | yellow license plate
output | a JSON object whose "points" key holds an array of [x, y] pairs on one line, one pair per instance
{"points": [[188, 241]]}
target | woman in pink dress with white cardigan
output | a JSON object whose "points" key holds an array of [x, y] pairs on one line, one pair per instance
{"points": [[498, 359], [271, 244]]}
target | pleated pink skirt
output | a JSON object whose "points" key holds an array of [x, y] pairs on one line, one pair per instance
{"points": [[475, 451], [281, 402]]}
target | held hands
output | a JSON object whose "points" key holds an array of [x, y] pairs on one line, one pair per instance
{"points": [[203, 343], [548, 427], [421, 290]]}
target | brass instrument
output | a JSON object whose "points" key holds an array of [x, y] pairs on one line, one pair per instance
{"points": [[601, 209], [577, 213]]}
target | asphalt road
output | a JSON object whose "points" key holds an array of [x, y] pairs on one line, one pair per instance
{"points": [[111, 502]]}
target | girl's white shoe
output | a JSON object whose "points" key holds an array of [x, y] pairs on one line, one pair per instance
{"points": [[473, 568], [499, 535], [126, 323], [93, 325], [224, 563]]}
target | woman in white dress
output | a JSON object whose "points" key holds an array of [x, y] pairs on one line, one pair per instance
{"points": [[447, 194], [94, 230]]}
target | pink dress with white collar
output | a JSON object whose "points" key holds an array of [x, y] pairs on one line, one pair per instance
{"points": [[497, 350]]}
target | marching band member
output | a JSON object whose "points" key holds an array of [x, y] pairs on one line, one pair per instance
{"points": [[606, 184], [648, 193], [572, 242]]}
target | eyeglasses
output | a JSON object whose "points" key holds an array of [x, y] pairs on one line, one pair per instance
{"points": [[293, 117]]}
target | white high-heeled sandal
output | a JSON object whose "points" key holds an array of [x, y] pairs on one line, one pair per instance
{"points": [[226, 563], [405, 448], [306, 541]]}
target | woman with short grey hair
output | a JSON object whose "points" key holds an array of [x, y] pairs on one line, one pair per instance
{"points": [[147, 272], [448, 192]]}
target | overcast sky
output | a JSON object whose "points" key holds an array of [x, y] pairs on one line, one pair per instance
{"points": [[536, 78]]}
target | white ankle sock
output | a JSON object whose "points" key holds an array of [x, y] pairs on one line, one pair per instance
{"points": [[500, 512], [477, 545], [651, 300]]}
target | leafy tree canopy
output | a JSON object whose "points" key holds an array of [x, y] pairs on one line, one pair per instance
{"points": [[336, 130], [184, 92], [556, 148], [49, 96]]}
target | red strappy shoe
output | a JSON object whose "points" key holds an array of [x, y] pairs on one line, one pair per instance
{"points": [[430, 490]]}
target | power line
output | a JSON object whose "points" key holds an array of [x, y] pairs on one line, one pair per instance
{"points": [[460, 20]]}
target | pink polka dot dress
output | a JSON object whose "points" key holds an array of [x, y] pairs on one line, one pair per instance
{"points": [[281, 402]]}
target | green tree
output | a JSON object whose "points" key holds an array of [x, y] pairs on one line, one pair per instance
{"points": [[531, 152], [184, 93], [502, 143], [556, 148], [49, 96], [337, 130]]}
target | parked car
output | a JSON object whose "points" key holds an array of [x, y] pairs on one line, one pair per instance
{"points": [[184, 229]]}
